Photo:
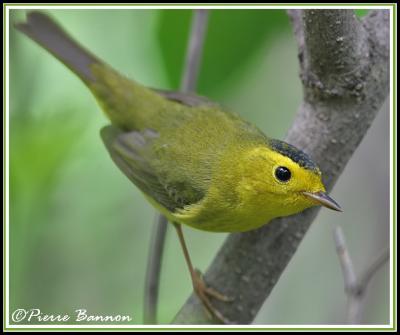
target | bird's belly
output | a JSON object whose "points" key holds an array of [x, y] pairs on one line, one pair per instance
{"points": [[229, 220], [216, 217]]}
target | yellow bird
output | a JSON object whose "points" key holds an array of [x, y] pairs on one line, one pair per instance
{"points": [[197, 163]]}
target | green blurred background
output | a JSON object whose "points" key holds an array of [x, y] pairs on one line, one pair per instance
{"points": [[80, 231]]}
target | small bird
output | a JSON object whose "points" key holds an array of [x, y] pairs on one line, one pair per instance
{"points": [[197, 163]]}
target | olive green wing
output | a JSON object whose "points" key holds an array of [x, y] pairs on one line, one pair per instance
{"points": [[136, 156]]}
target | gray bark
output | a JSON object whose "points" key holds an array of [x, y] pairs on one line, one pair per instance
{"points": [[345, 74]]}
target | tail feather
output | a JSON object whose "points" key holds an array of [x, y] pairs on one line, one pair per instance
{"points": [[53, 38], [126, 103]]}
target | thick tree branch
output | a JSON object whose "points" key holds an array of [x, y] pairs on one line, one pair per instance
{"points": [[355, 286], [333, 40], [337, 110]]}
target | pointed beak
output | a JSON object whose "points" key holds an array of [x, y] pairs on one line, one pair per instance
{"points": [[323, 199]]}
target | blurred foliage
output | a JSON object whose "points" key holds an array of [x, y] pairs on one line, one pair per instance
{"points": [[79, 230], [361, 12], [233, 37]]}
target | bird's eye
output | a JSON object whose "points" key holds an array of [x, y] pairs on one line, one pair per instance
{"points": [[282, 173]]}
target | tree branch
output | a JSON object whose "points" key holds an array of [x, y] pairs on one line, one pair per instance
{"points": [[188, 84], [355, 287], [153, 272], [194, 50], [332, 120], [332, 38]]}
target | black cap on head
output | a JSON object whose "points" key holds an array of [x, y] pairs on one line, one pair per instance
{"points": [[294, 154]]}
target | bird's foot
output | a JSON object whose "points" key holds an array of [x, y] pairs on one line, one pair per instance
{"points": [[205, 292]]}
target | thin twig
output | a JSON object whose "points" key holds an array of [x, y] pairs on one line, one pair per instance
{"points": [[346, 263], [355, 287], [188, 84], [194, 50], [382, 258], [154, 269]]}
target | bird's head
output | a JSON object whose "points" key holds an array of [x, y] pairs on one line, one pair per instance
{"points": [[282, 179]]}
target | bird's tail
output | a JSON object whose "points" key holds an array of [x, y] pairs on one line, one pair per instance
{"points": [[126, 103], [43, 30]]}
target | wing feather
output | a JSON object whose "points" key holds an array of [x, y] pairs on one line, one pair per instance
{"points": [[135, 155]]}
